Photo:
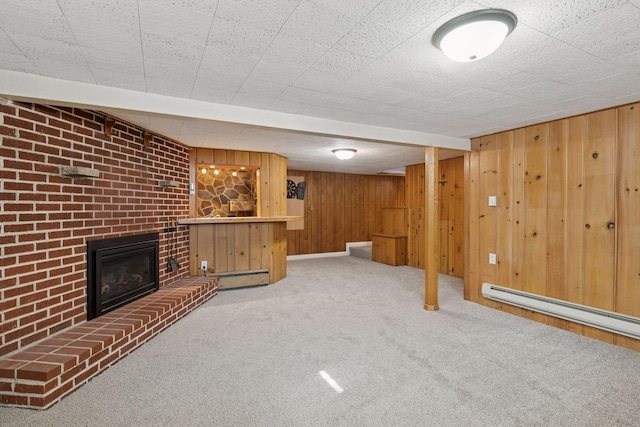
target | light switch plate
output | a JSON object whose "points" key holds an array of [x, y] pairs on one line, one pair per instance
{"points": [[493, 201], [492, 259]]}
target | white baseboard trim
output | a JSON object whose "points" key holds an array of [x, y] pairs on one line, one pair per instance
{"points": [[347, 252]]}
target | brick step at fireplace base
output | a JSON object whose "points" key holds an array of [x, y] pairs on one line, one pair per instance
{"points": [[40, 375]]}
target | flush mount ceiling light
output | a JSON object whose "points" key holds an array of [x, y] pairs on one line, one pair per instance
{"points": [[344, 153], [474, 35]]}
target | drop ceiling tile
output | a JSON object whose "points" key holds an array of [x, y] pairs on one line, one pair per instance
{"points": [[161, 48], [168, 87], [474, 96], [115, 78], [39, 19], [618, 86], [366, 89], [317, 81], [576, 69], [417, 54], [488, 109], [356, 8], [430, 85], [7, 46], [630, 62], [277, 72], [61, 69], [43, 50], [210, 94], [125, 63], [585, 104], [551, 16], [251, 100], [544, 50], [218, 80], [285, 106], [170, 70], [267, 15], [547, 92], [221, 60], [346, 103], [411, 16], [515, 81], [430, 104], [262, 88], [288, 50], [180, 19], [301, 95], [241, 37], [341, 64], [371, 39], [617, 31], [103, 25], [485, 75], [316, 22], [19, 63]]}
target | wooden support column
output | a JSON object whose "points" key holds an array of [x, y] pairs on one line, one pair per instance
{"points": [[431, 230]]}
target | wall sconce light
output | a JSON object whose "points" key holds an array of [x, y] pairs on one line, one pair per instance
{"points": [[474, 35], [344, 153]]}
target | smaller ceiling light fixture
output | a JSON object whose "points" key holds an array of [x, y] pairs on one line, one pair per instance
{"points": [[474, 35], [344, 153]]}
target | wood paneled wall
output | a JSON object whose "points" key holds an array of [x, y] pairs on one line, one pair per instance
{"points": [[451, 216], [567, 224], [272, 176], [341, 208]]}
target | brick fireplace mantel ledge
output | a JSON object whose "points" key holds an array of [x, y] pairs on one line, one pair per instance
{"points": [[40, 375]]}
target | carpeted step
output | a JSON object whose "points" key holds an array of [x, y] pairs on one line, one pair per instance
{"points": [[361, 252]]}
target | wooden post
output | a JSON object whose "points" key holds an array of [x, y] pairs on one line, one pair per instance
{"points": [[432, 231]]}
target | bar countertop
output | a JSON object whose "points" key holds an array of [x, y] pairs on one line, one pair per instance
{"points": [[235, 220]]}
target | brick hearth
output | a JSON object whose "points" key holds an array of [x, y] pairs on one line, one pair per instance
{"points": [[40, 375]]}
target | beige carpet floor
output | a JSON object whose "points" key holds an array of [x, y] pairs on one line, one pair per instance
{"points": [[254, 357]]}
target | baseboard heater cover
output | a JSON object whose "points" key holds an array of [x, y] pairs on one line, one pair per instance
{"points": [[596, 318], [239, 279]]}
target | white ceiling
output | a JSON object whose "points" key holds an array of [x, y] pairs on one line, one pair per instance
{"points": [[367, 62]]}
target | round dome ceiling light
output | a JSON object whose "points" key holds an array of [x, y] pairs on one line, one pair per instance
{"points": [[344, 153], [474, 35]]}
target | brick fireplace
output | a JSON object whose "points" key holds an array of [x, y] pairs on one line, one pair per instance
{"points": [[47, 218]]}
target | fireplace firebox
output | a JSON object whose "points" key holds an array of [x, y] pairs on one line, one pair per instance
{"points": [[120, 270]]}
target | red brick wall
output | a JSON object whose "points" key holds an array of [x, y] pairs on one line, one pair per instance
{"points": [[46, 219]]}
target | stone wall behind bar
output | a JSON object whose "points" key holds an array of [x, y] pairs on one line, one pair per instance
{"points": [[225, 195], [46, 219]]}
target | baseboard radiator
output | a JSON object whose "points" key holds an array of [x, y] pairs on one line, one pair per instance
{"points": [[596, 318]]}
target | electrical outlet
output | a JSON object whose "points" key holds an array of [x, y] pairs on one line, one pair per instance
{"points": [[203, 265], [492, 258], [493, 201]]}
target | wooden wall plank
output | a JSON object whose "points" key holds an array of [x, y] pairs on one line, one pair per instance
{"points": [[444, 195], [488, 215], [504, 210], [556, 208], [535, 212], [518, 223], [599, 242], [255, 247], [471, 241], [628, 212], [242, 247], [574, 230]]}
